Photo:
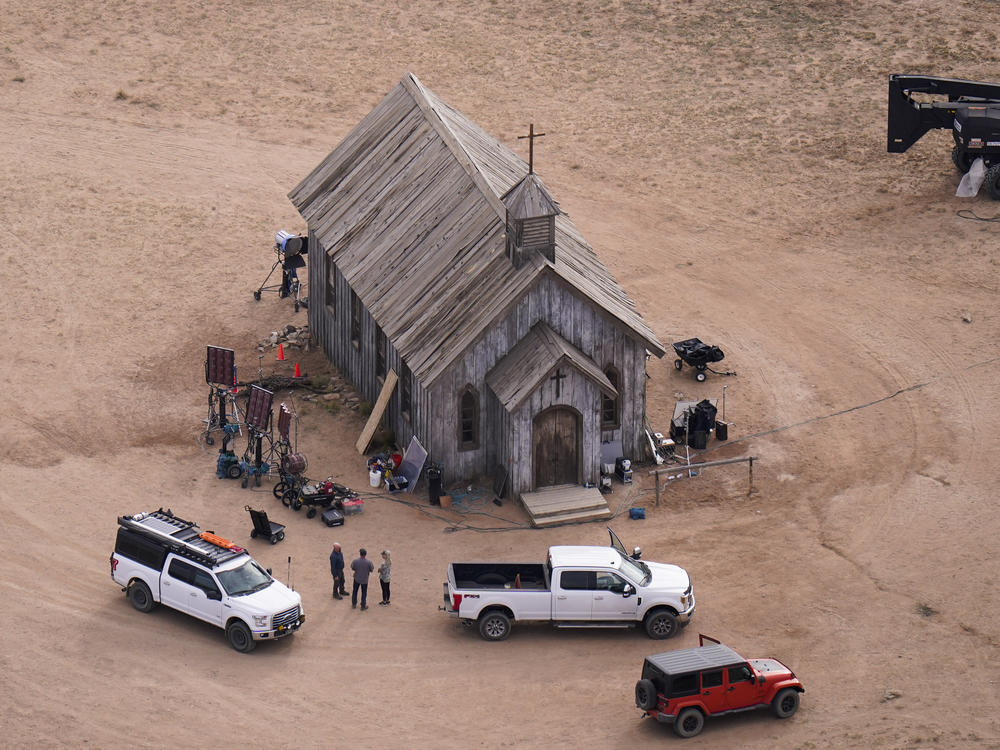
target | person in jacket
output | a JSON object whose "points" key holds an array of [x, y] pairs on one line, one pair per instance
{"points": [[384, 576], [337, 571], [362, 568]]}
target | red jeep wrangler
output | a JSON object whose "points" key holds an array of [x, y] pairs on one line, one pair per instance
{"points": [[683, 687]]}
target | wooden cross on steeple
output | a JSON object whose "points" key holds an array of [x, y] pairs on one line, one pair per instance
{"points": [[531, 136]]}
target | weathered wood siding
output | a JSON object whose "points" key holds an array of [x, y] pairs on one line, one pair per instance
{"points": [[332, 330], [506, 440]]}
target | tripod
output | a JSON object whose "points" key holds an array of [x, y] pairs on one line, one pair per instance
{"points": [[289, 248], [218, 418]]}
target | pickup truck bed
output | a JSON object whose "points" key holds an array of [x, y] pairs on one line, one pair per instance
{"points": [[500, 576]]}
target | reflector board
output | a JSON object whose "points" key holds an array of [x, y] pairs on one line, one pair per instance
{"points": [[284, 422], [220, 366], [259, 408]]}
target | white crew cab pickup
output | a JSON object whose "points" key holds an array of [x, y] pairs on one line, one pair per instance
{"points": [[577, 587], [161, 558]]}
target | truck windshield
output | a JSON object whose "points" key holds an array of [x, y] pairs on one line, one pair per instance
{"points": [[245, 579], [636, 570]]}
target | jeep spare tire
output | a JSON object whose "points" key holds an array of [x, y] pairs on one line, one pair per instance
{"points": [[645, 695]]}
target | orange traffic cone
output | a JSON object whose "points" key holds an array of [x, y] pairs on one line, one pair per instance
{"points": [[298, 372], [281, 353]]}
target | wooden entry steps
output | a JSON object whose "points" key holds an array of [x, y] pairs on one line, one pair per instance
{"points": [[566, 502]]}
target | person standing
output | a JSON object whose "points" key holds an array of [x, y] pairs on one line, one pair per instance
{"points": [[384, 576], [337, 571], [362, 567]]}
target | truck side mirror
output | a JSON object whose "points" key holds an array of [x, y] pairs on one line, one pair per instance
{"points": [[216, 595], [627, 591]]}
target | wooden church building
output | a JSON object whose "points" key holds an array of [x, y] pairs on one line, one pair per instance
{"points": [[438, 257]]}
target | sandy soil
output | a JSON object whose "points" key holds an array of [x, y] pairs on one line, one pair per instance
{"points": [[727, 162]]}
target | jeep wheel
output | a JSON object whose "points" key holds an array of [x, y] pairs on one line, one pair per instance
{"points": [[645, 695], [785, 703], [239, 636], [689, 722], [494, 626], [140, 596], [661, 624]]}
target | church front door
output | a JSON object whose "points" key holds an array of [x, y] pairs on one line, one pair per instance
{"points": [[556, 437]]}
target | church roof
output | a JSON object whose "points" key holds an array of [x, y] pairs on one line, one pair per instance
{"points": [[409, 206], [530, 362]]}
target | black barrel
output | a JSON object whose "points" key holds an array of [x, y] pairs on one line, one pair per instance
{"points": [[434, 491]]}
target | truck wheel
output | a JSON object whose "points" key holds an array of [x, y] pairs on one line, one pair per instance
{"points": [[992, 181], [785, 703], [234, 471], [961, 158], [661, 624], [140, 596], [288, 496], [311, 513], [279, 489], [678, 364], [689, 722], [239, 636], [645, 695], [494, 626], [700, 376]]}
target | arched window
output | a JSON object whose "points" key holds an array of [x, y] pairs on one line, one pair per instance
{"points": [[468, 419], [610, 418]]}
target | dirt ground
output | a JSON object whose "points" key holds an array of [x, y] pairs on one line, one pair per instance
{"points": [[727, 161]]}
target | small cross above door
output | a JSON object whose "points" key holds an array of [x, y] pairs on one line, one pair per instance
{"points": [[558, 377]]}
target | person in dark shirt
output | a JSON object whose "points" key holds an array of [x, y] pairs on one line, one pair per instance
{"points": [[337, 571], [362, 567]]}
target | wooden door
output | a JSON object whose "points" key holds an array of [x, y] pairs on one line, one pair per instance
{"points": [[556, 453]]}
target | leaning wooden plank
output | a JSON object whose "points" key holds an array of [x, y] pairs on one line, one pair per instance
{"points": [[376, 416]]}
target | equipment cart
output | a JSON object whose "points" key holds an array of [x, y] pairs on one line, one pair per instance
{"points": [[697, 355], [263, 527]]}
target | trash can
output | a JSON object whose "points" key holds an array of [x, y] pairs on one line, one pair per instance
{"points": [[434, 491], [721, 430]]}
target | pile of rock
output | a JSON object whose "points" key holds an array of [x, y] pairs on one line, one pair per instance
{"points": [[289, 337], [329, 388]]}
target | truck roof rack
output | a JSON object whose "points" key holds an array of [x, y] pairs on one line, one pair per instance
{"points": [[180, 537]]}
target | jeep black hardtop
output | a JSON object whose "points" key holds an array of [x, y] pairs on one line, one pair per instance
{"points": [[713, 656]]}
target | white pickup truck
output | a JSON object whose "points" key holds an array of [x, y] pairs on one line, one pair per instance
{"points": [[161, 558], [577, 587]]}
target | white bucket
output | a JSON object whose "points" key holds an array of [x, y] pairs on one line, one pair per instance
{"points": [[374, 478]]}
